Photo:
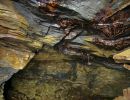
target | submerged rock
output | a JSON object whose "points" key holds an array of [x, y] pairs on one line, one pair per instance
{"points": [[52, 75], [67, 23], [75, 28], [122, 57], [14, 58], [126, 95], [127, 66], [16, 48], [1, 94]]}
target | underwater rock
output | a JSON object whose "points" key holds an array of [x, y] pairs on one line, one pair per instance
{"points": [[16, 48], [10, 18], [66, 24], [86, 8], [52, 75], [77, 28], [123, 56], [1, 94], [117, 5], [126, 95], [86, 43], [13, 58], [127, 66]]}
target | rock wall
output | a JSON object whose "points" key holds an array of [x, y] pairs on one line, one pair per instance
{"points": [[74, 50], [16, 49], [54, 76]]}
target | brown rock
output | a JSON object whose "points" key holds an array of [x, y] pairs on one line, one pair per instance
{"points": [[54, 76], [127, 66], [13, 58], [123, 56], [126, 95]]}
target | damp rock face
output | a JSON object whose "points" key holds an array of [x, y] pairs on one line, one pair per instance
{"points": [[81, 25], [52, 75], [123, 56], [16, 49], [126, 95], [91, 33], [9, 60]]}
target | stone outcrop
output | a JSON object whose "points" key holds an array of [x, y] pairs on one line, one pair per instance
{"points": [[16, 48], [68, 48], [126, 95], [52, 75]]}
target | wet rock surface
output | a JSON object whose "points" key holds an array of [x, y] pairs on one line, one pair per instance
{"points": [[91, 34], [1, 94], [126, 95], [52, 75], [67, 29], [8, 56], [14, 56]]}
